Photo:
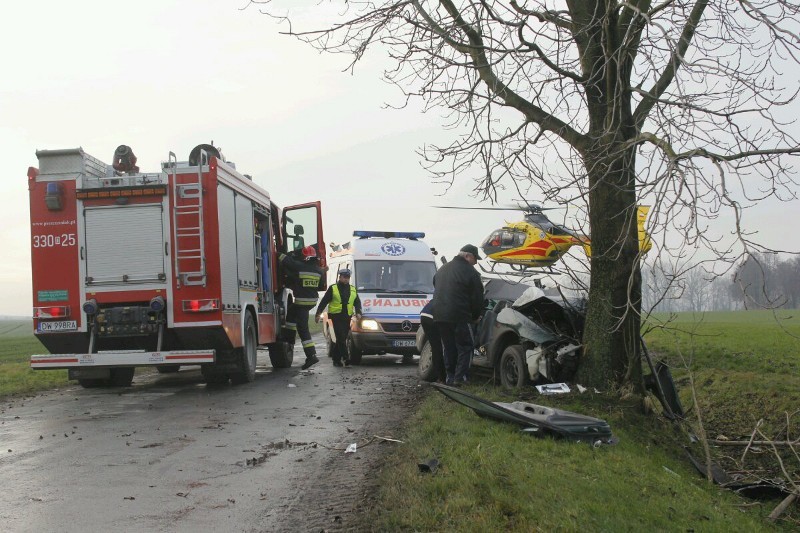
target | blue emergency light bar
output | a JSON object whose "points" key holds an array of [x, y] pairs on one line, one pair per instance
{"points": [[413, 235]]}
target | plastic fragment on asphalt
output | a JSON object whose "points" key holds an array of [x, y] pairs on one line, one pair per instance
{"points": [[351, 448], [292, 385]]}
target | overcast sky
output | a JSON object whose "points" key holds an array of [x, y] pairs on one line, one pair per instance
{"points": [[163, 75]]}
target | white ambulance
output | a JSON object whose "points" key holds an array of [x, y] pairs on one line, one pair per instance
{"points": [[393, 274]]}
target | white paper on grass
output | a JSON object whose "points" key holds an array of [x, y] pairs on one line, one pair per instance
{"points": [[553, 388]]}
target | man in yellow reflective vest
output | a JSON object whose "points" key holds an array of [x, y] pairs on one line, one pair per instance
{"points": [[342, 301]]}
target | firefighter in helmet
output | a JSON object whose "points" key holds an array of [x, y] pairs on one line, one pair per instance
{"points": [[303, 277]]}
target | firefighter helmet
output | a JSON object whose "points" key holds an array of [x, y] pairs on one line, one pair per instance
{"points": [[309, 252]]}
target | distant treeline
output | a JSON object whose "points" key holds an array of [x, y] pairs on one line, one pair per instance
{"points": [[761, 281]]}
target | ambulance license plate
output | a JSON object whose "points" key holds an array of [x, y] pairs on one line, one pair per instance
{"points": [[60, 325], [411, 343]]}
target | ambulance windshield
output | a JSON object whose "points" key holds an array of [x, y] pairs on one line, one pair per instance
{"points": [[413, 277]]}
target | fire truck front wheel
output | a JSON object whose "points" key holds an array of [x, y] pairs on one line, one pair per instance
{"points": [[280, 354], [247, 354]]}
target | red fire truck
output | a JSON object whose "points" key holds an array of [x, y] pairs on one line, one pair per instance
{"points": [[177, 267]]}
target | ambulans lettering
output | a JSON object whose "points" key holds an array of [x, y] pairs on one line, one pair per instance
{"points": [[389, 302]]}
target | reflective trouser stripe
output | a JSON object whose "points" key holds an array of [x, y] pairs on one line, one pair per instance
{"points": [[308, 344]]}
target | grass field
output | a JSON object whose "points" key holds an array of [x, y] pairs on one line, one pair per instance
{"points": [[746, 367], [493, 478], [17, 344]]}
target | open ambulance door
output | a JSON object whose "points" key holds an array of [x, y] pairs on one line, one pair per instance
{"points": [[302, 226]]}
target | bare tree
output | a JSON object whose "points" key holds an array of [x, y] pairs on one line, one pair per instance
{"points": [[612, 103]]}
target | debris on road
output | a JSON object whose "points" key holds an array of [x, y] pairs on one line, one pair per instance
{"points": [[429, 466], [351, 448], [538, 420], [555, 388]]}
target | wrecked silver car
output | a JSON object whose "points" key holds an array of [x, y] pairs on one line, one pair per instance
{"points": [[523, 336]]}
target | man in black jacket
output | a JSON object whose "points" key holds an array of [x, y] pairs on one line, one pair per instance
{"points": [[342, 301], [458, 301]]}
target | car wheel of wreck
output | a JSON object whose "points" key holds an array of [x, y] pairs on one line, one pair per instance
{"points": [[513, 372], [427, 370]]}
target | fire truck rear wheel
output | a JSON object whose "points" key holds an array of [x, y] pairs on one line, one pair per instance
{"points": [[122, 377], [247, 354], [213, 376], [92, 383]]}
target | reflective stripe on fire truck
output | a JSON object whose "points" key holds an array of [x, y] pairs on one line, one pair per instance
{"points": [[122, 358]]}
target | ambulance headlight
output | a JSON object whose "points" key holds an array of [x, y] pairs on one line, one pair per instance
{"points": [[369, 324]]}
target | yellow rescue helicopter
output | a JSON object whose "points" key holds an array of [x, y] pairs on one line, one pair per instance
{"points": [[536, 243]]}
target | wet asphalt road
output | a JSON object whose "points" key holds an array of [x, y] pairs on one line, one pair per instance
{"points": [[173, 454]]}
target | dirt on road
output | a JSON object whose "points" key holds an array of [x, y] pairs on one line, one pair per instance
{"points": [[171, 453]]}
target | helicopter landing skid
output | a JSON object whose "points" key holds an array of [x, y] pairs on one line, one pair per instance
{"points": [[521, 271]]}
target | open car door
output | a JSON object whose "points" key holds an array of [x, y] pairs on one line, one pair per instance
{"points": [[302, 226]]}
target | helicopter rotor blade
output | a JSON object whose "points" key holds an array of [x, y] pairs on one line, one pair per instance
{"points": [[525, 205], [479, 208]]}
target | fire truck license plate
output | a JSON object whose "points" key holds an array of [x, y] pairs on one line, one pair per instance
{"points": [[61, 325], [404, 344]]}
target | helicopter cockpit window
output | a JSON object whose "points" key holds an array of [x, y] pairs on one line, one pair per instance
{"points": [[508, 238], [493, 240]]}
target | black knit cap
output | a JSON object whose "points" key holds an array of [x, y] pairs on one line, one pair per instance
{"points": [[471, 249]]}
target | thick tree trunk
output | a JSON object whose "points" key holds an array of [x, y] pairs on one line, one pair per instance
{"points": [[611, 333]]}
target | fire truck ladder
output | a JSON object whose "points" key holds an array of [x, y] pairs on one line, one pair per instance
{"points": [[187, 224]]}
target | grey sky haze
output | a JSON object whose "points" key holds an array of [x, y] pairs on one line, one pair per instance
{"points": [[163, 75]]}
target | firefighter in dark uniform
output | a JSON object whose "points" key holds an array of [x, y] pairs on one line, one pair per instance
{"points": [[304, 278], [342, 301]]}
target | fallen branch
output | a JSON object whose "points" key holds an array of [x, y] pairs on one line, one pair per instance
{"points": [[387, 439], [754, 443], [781, 508]]}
